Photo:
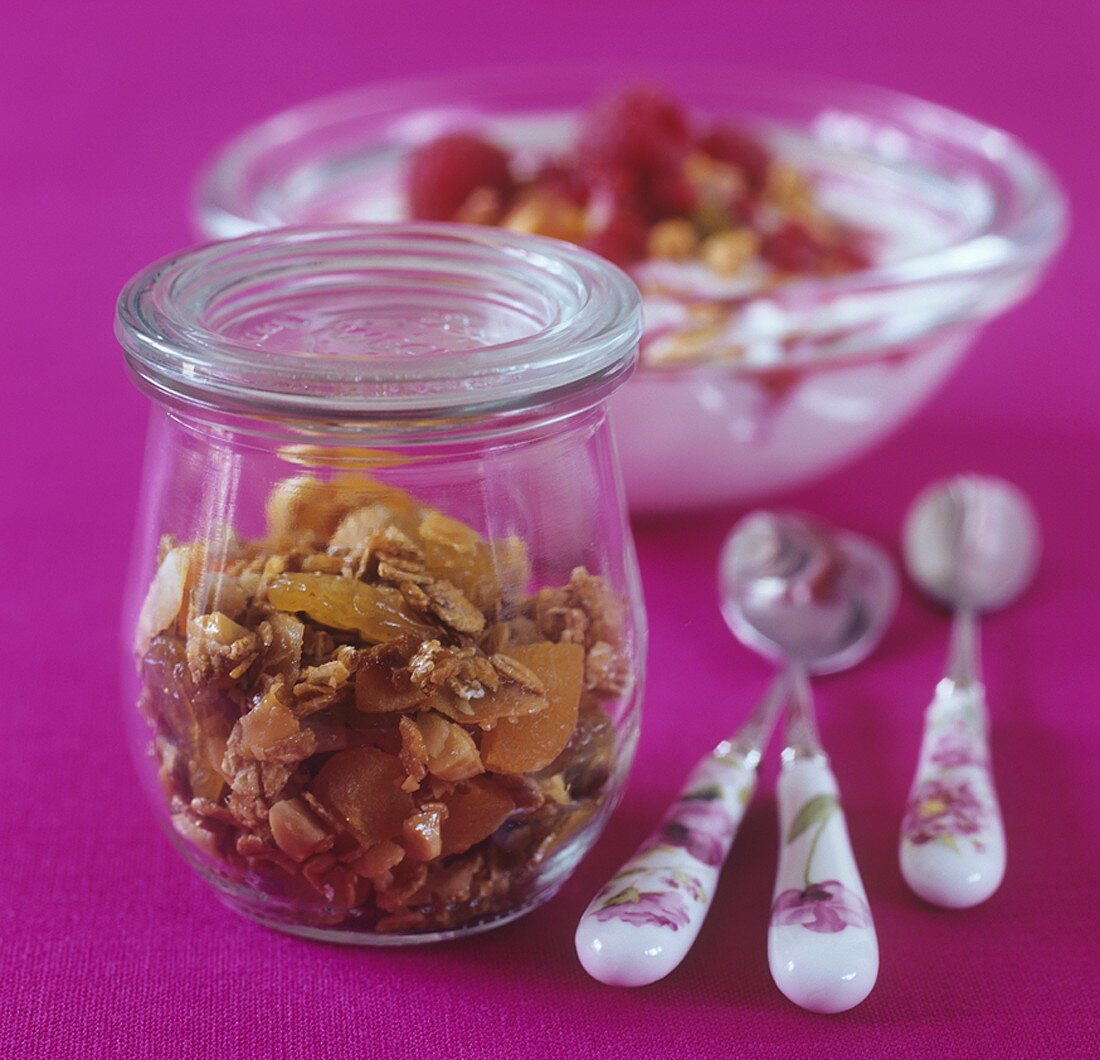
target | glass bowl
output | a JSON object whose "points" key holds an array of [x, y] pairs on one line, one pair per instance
{"points": [[744, 388]]}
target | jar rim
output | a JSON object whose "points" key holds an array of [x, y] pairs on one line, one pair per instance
{"points": [[532, 322]]}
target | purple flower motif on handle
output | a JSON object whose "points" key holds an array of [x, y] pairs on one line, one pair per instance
{"points": [[941, 811], [701, 825], [641, 908], [824, 907], [953, 750]]}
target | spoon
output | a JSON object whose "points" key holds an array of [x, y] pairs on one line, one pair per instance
{"points": [[973, 543], [818, 602], [640, 926]]}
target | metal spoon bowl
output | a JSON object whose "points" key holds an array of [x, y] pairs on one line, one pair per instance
{"points": [[794, 591], [972, 542]]}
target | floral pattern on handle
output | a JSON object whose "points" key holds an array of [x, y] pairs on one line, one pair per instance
{"points": [[952, 800], [702, 823], [825, 906]]}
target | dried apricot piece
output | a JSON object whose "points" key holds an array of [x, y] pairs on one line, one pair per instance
{"points": [[361, 786], [474, 812], [376, 612], [530, 742]]}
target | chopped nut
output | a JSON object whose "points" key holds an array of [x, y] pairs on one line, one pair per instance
{"points": [[727, 253], [607, 671], [545, 214], [421, 832], [449, 751], [483, 207], [789, 191], [674, 239], [321, 687], [164, 600], [297, 832], [218, 647], [379, 858], [413, 754]]}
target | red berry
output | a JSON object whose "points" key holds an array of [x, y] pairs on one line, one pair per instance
{"points": [[792, 248], [640, 129], [672, 195], [847, 257], [445, 172], [726, 144], [622, 239]]}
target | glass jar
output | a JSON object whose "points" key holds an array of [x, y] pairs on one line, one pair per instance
{"points": [[384, 631]]}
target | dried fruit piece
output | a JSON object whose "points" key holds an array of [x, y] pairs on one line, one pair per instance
{"points": [[474, 812], [376, 612], [361, 785], [525, 744]]}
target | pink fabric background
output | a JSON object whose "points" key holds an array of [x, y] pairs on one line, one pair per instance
{"points": [[109, 946]]}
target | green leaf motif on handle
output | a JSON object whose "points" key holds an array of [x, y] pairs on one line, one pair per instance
{"points": [[814, 811]]}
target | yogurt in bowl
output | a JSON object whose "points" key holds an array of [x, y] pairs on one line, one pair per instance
{"points": [[754, 379]]}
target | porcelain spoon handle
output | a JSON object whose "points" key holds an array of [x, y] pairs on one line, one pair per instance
{"points": [[640, 926], [952, 850], [822, 946]]}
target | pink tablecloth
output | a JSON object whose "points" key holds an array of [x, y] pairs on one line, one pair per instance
{"points": [[109, 946]]}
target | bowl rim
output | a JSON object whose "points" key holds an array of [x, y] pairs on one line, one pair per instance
{"points": [[1027, 224]]}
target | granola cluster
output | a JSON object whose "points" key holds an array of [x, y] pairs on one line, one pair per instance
{"points": [[366, 718]]}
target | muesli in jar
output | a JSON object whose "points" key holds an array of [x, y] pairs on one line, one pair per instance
{"points": [[367, 717]]}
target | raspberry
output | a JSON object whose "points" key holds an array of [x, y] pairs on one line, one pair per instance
{"points": [[444, 173], [640, 129], [726, 144], [846, 257], [792, 248], [622, 239], [672, 195]]}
